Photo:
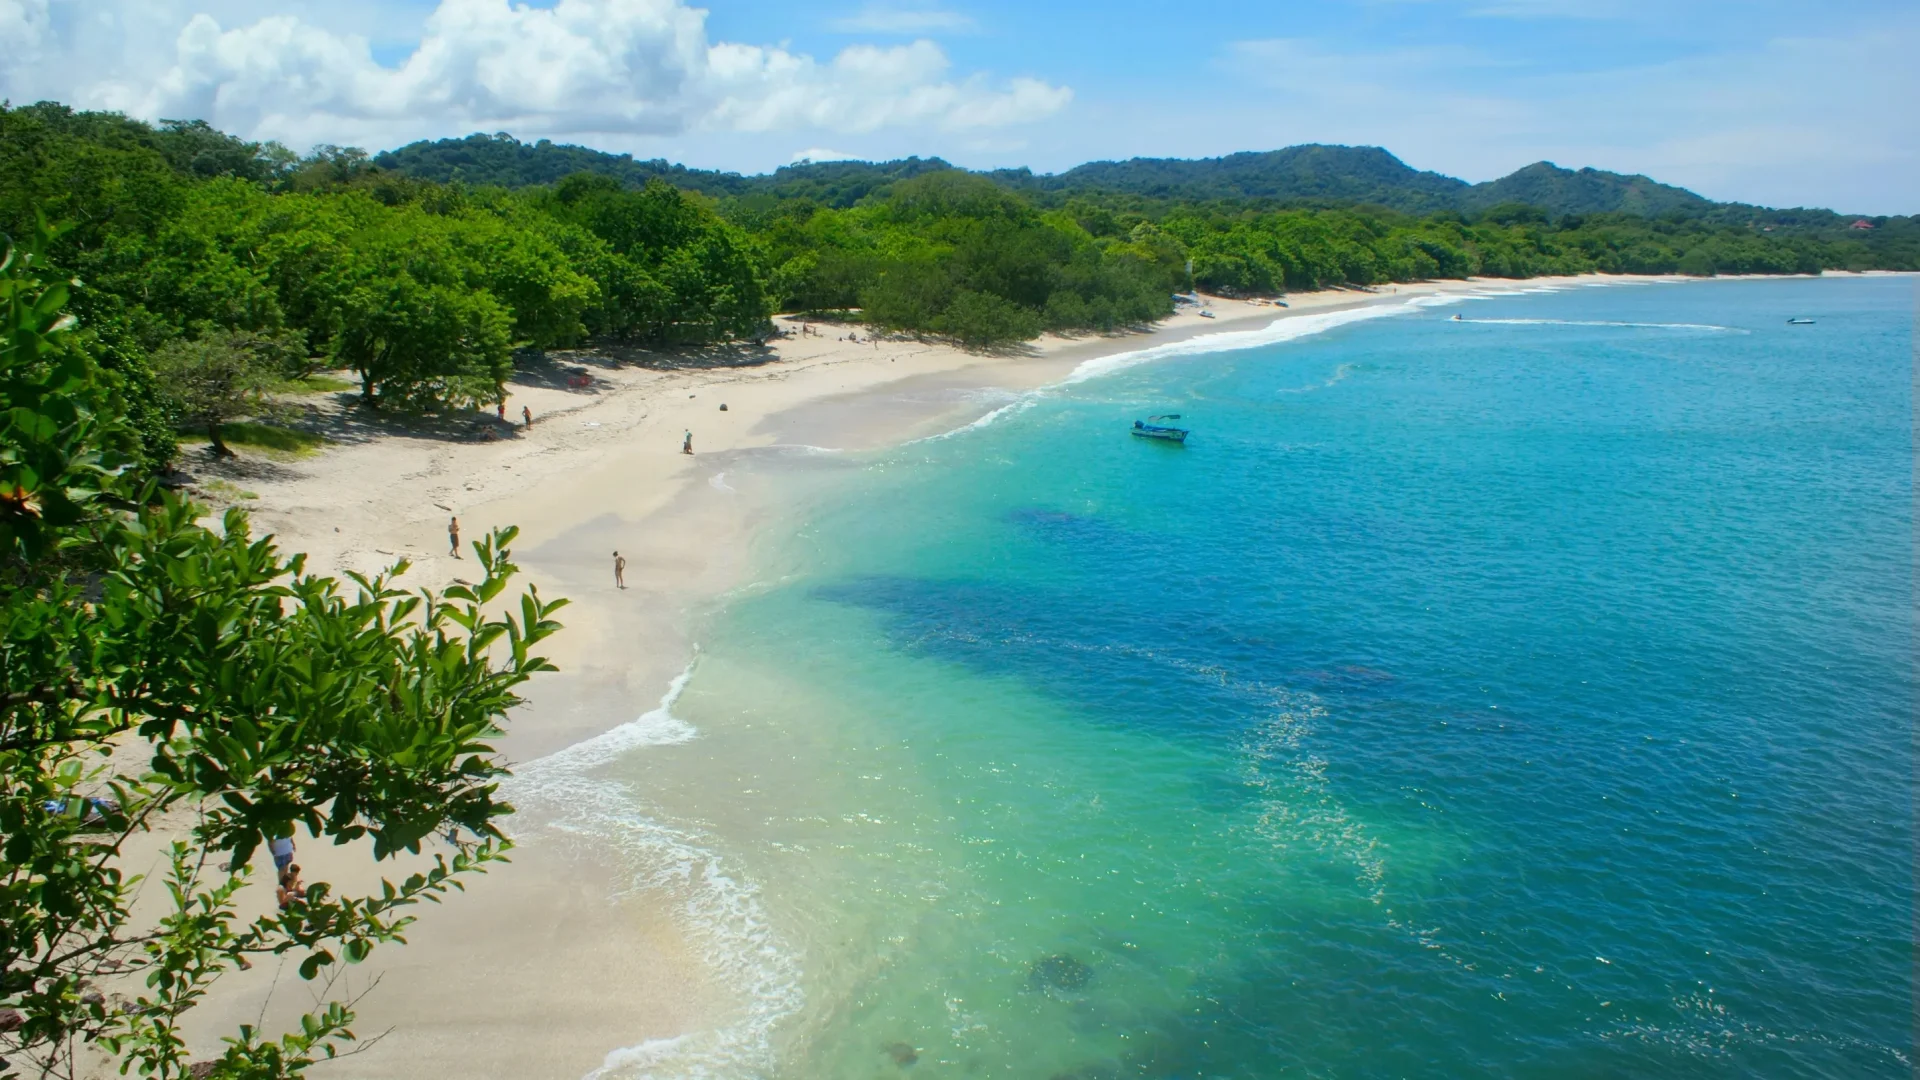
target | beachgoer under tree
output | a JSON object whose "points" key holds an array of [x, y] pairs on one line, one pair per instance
{"points": [[281, 848], [526, 415], [290, 887], [619, 570], [453, 536]]}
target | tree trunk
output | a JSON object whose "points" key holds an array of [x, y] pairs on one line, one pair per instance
{"points": [[220, 448]]}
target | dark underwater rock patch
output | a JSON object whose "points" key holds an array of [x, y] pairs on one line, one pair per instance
{"points": [[1058, 972]]}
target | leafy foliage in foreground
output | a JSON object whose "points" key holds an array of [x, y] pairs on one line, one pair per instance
{"points": [[161, 677]]}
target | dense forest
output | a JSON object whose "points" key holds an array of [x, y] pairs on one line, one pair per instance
{"points": [[1309, 176], [213, 266]]}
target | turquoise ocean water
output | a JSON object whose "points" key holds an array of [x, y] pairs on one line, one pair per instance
{"points": [[1527, 696]]}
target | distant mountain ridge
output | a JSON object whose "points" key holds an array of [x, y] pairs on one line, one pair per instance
{"points": [[1307, 174], [1588, 191], [1314, 172]]}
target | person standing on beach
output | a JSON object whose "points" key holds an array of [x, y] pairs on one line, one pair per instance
{"points": [[500, 410], [619, 571], [686, 445], [281, 848], [453, 536], [526, 414]]}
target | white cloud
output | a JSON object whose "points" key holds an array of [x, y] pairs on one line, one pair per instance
{"points": [[889, 20], [822, 154], [616, 67], [22, 23], [1810, 120]]}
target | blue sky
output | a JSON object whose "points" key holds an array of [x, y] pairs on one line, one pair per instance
{"points": [[1769, 101]]}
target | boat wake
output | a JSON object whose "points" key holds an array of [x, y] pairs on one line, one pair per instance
{"points": [[721, 915]]}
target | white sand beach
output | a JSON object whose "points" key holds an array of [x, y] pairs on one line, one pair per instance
{"points": [[545, 965]]}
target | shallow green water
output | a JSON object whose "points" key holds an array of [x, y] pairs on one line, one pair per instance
{"points": [[1495, 698]]}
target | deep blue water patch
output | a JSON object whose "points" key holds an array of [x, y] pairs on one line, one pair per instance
{"points": [[1543, 680]]}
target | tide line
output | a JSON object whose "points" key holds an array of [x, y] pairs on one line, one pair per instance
{"points": [[721, 915]]}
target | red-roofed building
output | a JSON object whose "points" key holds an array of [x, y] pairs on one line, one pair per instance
{"points": [[1863, 223]]}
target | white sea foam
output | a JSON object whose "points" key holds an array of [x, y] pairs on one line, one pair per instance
{"points": [[721, 915], [1018, 405], [794, 449], [1339, 376], [1299, 808], [1289, 328], [562, 769], [719, 482], [1283, 329], [1609, 322]]}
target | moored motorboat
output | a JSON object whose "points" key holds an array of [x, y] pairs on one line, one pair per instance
{"points": [[1148, 429], [1799, 322]]}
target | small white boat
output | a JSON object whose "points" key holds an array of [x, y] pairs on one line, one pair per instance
{"points": [[1799, 322], [1148, 429]]}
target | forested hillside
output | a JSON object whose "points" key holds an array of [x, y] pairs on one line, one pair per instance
{"points": [[1312, 173], [1298, 177], [222, 263], [1588, 191], [500, 160]]}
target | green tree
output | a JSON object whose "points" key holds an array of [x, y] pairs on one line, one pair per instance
{"points": [[978, 318], [420, 345], [151, 664], [224, 376]]}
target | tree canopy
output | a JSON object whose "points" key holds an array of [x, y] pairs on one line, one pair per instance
{"points": [[423, 289], [424, 269]]}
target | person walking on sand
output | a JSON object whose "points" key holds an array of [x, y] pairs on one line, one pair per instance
{"points": [[500, 410], [453, 536], [526, 415], [619, 571], [686, 445]]}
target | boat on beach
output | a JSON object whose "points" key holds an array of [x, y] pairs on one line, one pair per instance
{"points": [[1150, 429]]}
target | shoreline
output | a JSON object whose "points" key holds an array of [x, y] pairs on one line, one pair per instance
{"points": [[577, 962]]}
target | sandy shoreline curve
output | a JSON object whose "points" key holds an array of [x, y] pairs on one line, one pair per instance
{"points": [[547, 965]]}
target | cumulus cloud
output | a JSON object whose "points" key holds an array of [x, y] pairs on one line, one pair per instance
{"points": [[627, 67]]}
